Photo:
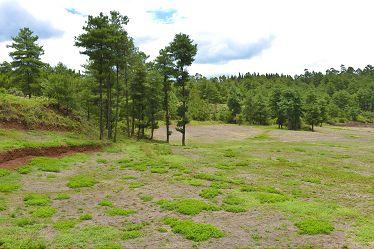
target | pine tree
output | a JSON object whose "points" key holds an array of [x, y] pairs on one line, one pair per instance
{"points": [[183, 51], [275, 107], [96, 42], [26, 61], [312, 110], [165, 65], [291, 105]]}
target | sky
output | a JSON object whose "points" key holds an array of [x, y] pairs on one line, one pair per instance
{"points": [[264, 36]]}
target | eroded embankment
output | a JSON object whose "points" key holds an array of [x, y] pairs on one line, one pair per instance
{"points": [[18, 157]]}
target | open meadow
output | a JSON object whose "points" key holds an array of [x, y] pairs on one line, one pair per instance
{"points": [[230, 187]]}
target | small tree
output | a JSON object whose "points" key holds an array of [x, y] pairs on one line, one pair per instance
{"points": [[291, 106], [26, 61], [183, 51], [233, 103], [312, 110], [275, 107], [60, 85]]}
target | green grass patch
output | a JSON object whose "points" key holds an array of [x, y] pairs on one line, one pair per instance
{"points": [[365, 231], [44, 212], [115, 211], [313, 226], [94, 236], [62, 196], [85, 217], [146, 198], [3, 204], [131, 234], [132, 230], [105, 203], [24, 221], [4, 172], [81, 181], [192, 230], [209, 193], [269, 197], [37, 200], [9, 182], [187, 206], [159, 170], [134, 185], [65, 224]]}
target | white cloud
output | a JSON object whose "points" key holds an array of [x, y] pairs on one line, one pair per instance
{"points": [[314, 34]]}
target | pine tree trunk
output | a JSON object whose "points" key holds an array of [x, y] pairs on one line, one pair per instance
{"points": [[166, 105], [101, 108], [184, 114], [109, 108], [127, 103], [117, 105]]}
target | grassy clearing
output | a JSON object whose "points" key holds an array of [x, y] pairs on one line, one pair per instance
{"points": [[258, 192]]}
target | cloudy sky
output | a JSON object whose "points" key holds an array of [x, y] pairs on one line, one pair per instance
{"points": [[279, 36]]}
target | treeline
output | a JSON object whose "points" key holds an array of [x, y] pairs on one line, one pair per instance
{"points": [[126, 93], [312, 98]]}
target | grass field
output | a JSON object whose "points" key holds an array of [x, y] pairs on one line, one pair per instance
{"points": [[230, 187]]}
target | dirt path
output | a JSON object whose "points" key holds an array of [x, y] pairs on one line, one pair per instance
{"points": [[18, 157], [209, 133]]}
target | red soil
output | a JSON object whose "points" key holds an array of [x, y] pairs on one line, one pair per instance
{"points": [[18, 157]]}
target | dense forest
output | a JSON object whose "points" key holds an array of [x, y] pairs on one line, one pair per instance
{"points": [[126, 93]]}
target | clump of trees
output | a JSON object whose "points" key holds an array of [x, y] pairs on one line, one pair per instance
{"points": [[126, 93]]}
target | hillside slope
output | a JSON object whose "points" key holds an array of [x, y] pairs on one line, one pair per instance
{"points": [[36, 113]]}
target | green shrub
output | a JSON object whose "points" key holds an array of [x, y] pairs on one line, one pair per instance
{"points": [[192, 230]]}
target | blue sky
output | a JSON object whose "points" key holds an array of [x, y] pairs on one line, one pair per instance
{"points": [[233, 36], [163, 16], [13, 17]]}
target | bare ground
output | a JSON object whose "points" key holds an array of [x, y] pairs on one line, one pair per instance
{"points": [[209, 133]]}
